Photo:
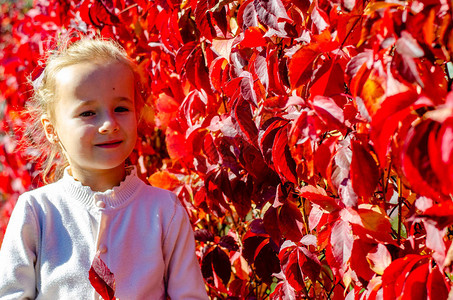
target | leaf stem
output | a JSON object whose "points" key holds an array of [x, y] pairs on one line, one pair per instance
{"points": [[128, 8], [387, 179]]}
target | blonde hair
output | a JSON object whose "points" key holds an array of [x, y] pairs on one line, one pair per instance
{"points": [[42, 102]]}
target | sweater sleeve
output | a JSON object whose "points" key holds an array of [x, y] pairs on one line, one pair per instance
{"points": [[18, 254], [183, 274]]}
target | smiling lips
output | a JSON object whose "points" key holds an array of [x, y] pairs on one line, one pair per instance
{"points": [[109, 144]]}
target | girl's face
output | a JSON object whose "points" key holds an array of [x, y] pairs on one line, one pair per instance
{"points": [[95, 118]]}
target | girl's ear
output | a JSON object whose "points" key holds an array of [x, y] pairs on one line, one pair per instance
{"points": [[49, 129]]}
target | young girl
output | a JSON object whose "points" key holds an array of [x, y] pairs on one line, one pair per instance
{"points": [[88, 111]]}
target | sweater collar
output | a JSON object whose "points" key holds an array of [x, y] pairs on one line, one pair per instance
{"points": [[113, 198]]}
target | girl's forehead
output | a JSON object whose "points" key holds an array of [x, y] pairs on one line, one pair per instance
{"points": [[86, 75], [94, 71], [93, 81]]}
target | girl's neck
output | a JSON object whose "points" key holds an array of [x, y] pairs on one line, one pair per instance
{"points": [[99, 180]]}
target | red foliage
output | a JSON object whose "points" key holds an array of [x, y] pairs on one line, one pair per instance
{"points": [[311, 142], [102, 279]]}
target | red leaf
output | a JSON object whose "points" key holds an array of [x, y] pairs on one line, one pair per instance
{"points": [[415, 161], [276, 83], [203, 19], [258, 68], [243, 115], [216, 72], [323, 155], [388, 118], [441, 214], [359, 263], [320, 19], [196, 71], [266, 137], [247, 16], [281, 156], [375, 224], [271, 12], [436, 285], [415, 284], [241, 198], [101, 278], [396, 273], [210, 149], [176, 145], [290, 221], [340, 248], [379, 259], [283, 290], [297, 262], [253, 37], [258, 250], [319, 196], [301, 65], [183, 54], [407, 69], [328, 111], [364, 171], [328, 80], [315, 217]]}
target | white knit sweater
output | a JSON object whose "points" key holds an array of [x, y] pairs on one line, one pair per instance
{"points": [[143, 234]]}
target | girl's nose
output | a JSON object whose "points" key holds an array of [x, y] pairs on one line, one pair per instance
{"points": [[109, 125]]}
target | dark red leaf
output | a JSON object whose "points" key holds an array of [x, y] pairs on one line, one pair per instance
{"points": [[270, 221], [281, 156], [258, 250], [241, 198], [229, 243], [210, 149], [290, 221], [243, 115], [221, 265], [266, 137]]}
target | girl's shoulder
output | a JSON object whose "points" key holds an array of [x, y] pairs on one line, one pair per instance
{"points": [[158, 195], [43, 192]]}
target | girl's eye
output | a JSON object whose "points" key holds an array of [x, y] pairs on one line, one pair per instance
{"points": [[87, 114], [121, 109]]}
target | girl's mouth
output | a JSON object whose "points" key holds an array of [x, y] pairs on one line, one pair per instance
{"points": [[110, 144]]}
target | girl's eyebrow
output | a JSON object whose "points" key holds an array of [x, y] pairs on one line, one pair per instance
{"points": [[127, 99]]}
